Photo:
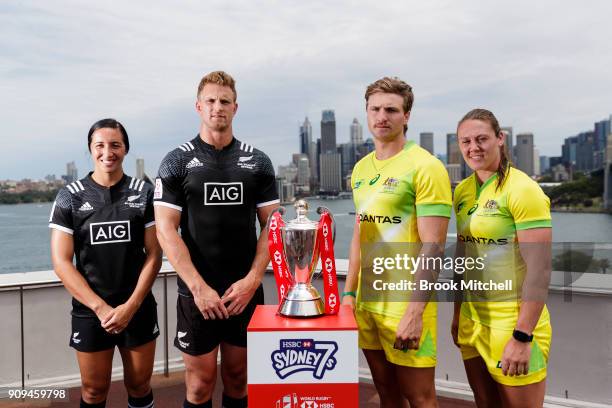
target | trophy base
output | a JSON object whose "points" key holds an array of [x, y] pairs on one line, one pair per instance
{"points": [[302, 301], [302, 308]]}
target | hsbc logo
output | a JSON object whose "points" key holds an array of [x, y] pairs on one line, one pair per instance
{"points": [[278, 258], [329, 265], [273, 224], [109, 232], [223, 193]]}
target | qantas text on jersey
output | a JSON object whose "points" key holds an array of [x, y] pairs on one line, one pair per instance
{"points": [[109, 232], [223, 193]]}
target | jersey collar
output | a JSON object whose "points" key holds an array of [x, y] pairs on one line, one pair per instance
{"points": [[90, 181], [198, 141], [480, 188]]}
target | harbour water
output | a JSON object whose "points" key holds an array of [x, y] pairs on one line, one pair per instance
{"points": [[24, 235]]}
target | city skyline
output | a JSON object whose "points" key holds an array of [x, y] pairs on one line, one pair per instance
{"points": [[544, 72]]}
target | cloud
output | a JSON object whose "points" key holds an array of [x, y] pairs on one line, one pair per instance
{"points": [[540, 66]]}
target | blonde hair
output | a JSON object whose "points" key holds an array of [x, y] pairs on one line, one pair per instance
{"points": [[220, 78]]}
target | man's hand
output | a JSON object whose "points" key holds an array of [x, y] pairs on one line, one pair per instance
{"points": [[515, 360], [118, 319], [409, 331], [209, 303], [349, 300], [103, 311], [238, 296]]}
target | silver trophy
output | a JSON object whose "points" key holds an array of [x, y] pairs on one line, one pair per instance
{"points": [[301, 250]]}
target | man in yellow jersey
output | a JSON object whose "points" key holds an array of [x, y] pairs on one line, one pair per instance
{"points": [[402, 197]]}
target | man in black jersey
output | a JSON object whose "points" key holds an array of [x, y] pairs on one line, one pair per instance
{"points": [[213, 187]]}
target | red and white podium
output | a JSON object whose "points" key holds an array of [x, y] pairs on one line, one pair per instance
{"points": [[302, 363]]}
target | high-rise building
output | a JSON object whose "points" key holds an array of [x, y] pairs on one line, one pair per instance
{"points": [[454, 172], [509, 141], [71, 173], [303, 172], [305, 137], [314, 165], [330, 166], [544, 164], [356, 133], [453, 154], [523, 152], [602, 130], [328, 132], [348, 158], [140, 169], [426, 140], [331, 179], [536, 162], [288, 173]]}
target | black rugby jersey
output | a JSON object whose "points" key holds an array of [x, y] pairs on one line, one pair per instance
{"points": [[108, 227], [217, 192]]}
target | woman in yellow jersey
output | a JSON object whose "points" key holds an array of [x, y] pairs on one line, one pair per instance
{"points": [[503, 217]]}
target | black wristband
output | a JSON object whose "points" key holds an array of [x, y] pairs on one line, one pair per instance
{"points": [[522, 336]]}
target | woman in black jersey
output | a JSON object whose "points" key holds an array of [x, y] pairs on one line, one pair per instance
{"points": [[106, 222]]}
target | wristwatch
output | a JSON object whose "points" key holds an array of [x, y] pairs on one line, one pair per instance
{"points": [[522, 336]]}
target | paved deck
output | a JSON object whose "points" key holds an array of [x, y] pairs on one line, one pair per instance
{"points": [[170, 391]]}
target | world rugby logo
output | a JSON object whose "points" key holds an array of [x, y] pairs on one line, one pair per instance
{"points": [[296, 355]]}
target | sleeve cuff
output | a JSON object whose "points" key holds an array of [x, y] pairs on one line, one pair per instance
{"points": [[165, 204], [266, 203], [433, 210], [533, 224], [149, 224], [60, 228]]}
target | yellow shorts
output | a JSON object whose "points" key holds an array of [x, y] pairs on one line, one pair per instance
{"points": [[377, 332], [478, 340]]}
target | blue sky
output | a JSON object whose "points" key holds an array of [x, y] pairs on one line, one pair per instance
{"points": [[540, 66]]}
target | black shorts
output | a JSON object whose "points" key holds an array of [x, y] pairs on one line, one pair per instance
{"points": [[89, 336], [196, 335]]}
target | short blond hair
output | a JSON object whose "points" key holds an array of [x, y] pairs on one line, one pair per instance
{"points": [[392, 85], [220, 78]]}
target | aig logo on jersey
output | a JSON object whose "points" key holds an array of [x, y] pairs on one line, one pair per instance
{"points": [[109, 232], [223, 193]]}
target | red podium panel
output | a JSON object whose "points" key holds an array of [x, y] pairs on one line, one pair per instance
{"points": [[302, 363]]}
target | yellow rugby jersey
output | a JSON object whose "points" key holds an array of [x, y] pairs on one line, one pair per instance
{"points": [[487, 222], [389, 195]]}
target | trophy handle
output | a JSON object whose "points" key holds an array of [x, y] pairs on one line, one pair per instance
{"points": [[280, 210], [322, 210]]}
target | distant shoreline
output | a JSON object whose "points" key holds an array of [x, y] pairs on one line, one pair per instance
{"points": [[580, 210]]}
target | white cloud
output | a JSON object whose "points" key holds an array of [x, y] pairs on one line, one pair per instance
{"points": [[540, 66]]}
